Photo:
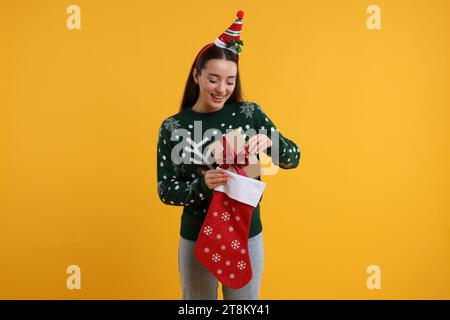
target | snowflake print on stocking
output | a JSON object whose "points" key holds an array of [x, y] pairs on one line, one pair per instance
{"points": [[225, 216], [207, 230], [222, 245], [241, 265]]}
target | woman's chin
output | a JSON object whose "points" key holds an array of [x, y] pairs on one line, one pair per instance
{"points": [[216, 105]]}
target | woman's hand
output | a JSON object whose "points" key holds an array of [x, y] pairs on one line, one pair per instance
{"points": [[216, 177], [258, 143]]}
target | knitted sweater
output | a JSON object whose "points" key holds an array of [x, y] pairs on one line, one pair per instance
{"points": [[181, 183]]}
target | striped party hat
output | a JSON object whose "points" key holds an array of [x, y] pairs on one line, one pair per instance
{"points": [[230, 39]]}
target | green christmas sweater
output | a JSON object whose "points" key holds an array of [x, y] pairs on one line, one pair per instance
{"points": [[181, 163]]}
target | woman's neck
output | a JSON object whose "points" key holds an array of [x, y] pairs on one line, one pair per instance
{"points": [[203, 108]]}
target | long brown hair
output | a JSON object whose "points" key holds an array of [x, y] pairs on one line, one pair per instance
{"points": [[192, 89]]}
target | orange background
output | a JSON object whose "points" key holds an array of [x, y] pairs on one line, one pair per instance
{"points": [[368, 108]]}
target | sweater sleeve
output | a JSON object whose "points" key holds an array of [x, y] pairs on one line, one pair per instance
{"points": [[287, 150], [173, 188]]}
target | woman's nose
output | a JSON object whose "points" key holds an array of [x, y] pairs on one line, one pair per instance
{"points": [[221, 89]]}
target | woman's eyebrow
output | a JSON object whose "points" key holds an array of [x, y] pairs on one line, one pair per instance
{"points": [[218, 75]]}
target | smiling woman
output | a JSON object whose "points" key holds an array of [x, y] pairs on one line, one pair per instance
{"points": [[216, 84], [213, 79], [212, 105]]}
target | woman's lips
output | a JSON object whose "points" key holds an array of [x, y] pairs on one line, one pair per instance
{"points": [[216, 99]]}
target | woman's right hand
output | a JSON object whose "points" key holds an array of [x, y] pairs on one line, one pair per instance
{"points": [[216, 177]]}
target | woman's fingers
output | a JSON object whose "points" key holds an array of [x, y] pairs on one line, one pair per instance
{"points": [[259, 143], [214, 184], [218, 180], [215, 173], [258, 147], [216, 177]]}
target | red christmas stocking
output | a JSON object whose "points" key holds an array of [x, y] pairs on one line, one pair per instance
{"points": [[222, 246]]}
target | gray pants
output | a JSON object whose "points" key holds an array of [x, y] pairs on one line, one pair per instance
{"points": [[198, 283]]}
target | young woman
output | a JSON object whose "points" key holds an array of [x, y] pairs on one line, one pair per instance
{"points": [[212, 103]]}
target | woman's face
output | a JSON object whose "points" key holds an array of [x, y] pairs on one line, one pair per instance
{"points": [[216, 82]]}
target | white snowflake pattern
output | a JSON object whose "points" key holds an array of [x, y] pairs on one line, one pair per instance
{"points": [[208, 230], [206, 250], [243, 251], [260, 109], [219, 271], [171, 124], [231, 229], [241, 265], [215, 213], [247, 109], [160, 189], [216, 257], [228, 263], [191, 185], [237, 218], [223, 247], [225, 216], [231, 275], [235, 244], [219, 236]]}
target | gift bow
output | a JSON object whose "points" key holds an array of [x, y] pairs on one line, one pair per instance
{"points": [[231, 157]]}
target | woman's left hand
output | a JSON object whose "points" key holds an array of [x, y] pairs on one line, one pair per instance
{"points": [[258, 143]]}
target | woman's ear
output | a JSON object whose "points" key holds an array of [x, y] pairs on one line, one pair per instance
{"points": [[194, 75]]}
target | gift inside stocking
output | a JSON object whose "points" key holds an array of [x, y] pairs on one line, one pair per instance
{"points": [[222, 245]]}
